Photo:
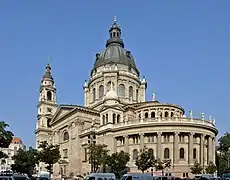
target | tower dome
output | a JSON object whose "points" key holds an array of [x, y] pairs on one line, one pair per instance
{"points": [[115, 53]]}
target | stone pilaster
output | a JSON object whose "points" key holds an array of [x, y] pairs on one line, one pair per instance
{"points": [[190, 148], [114, 144], [176, 148], [202, 150], [159, 145], [210, 149], [141, 141]]}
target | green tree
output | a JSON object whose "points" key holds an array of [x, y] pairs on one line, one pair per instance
{"points": [[145, 160], [117, 162], [25, 161], [49, 155], [162, 164], [224, 143], [196, 168], [5, 138], [98, 156], [211, 169]]}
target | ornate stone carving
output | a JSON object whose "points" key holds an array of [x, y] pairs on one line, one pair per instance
{"points": [[190, 114], [202, 116]]}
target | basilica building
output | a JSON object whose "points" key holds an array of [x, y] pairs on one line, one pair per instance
{"points": [[116, 111]]}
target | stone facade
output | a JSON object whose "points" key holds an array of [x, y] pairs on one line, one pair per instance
{"points": [[116, 110]]}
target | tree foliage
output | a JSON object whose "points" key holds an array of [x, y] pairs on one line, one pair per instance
{"points": [[145, 160], [98, 155], [25, 161], [162, 164], [211, 169], [117, 162], [196, 168], [49, 154], [224, 143], [5, 138]]}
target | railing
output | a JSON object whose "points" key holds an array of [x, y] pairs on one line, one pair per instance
{"points": [[152, 121]]}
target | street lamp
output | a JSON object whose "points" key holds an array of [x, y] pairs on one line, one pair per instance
{"points": [[92, 142]]}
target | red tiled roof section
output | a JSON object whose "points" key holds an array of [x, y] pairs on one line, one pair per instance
{"points": [[16, 140]]}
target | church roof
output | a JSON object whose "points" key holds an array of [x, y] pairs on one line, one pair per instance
{"points": [[115, 53]]}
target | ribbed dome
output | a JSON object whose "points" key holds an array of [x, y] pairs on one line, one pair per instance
{"points": [[114, 52]]}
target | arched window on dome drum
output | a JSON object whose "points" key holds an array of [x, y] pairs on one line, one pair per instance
{"points": [[146, 115], [194, 153], [181, 153], [166, 114], [152, 114], [118, 118], [114, 118], [172, 114], [103, 119], [101, 91], [107, 118], [137, 95], [166, 153], [135, 154], [65, 136], [121, 90], [131, 92], [94, 94], [49, 96]]}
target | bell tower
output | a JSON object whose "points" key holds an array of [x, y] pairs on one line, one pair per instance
{"points": [[46, 107]]}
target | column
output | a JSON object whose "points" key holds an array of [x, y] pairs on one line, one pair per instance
{"points": [[175, 148], [210, 148], [126, 143], [202, 150], [159, 145], [214, 150], [114, 144], [190, 151], [141, 141]]}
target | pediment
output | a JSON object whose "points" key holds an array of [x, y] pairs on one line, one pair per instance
{"points": [[119, 108], [61, 112]]}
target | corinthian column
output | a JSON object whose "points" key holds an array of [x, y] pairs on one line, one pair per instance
{"points": [[191, 148], [202, 150], [141, 141], [126, 143], [214, 150], [175, 148], [210, 155], [159, 145]]}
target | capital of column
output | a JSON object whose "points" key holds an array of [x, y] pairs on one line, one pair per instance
{"points": [[159, 133], [141, 134], [191, 134], [177, 133], [202, 137], [126, 136]]}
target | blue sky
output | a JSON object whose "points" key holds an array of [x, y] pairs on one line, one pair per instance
{"points": [[182, 47]]}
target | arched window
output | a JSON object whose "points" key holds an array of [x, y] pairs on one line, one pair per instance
{"points": [[166, 153], [146, 115], [118, 118], [152, 114], [94, 94], [107, 118], [101, 91], [137, 94], [131, 92], [135, 154], [172, 114], [49, 96], [181, 153], [65, 136], [166, 114], [151, 152], [121, 90], [194, 153], [103, 119], [114, 118]]}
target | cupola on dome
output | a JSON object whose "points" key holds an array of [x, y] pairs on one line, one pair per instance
{"points": [[115, 53]]}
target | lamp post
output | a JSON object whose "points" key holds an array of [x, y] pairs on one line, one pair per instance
{"points": [[92, 143]]}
